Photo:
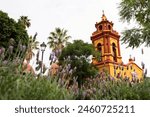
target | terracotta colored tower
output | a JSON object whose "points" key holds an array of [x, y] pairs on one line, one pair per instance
{"points": [[106, 40]]}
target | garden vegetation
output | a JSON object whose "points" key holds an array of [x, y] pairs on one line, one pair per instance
{"points": [[74, 79]]}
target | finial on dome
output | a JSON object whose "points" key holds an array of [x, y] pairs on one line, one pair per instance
{"points": [[103, 12], [103, 16]]}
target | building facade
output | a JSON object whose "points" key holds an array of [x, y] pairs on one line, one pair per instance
{"points": [[106, 40]]}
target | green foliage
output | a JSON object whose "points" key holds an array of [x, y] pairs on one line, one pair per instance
{"points": [[25, 87], [10, 29], [14, 85], [24, 21], [17, 84], [33, 44], [139, 11], [115, 90], [58, 38], [77, 54]]}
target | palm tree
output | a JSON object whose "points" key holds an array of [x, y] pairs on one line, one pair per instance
{"points": [[58, 38], [25, 21], [33, 45]]}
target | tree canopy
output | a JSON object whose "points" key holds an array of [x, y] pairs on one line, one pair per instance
{"points": [[138, 11], [58, 38], [25, 21], [12, 30], [77, 54]]}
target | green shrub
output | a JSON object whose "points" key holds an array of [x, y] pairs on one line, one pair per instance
{"points": [[116, 90], [27, 87], [16, 86]]}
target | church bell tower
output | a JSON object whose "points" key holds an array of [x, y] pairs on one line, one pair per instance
{"points": [[106, 41]]}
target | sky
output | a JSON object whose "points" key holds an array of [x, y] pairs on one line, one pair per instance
{"points": [[76, 16]]}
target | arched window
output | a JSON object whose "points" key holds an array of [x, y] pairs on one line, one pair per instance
{"points": [[114, 52], [109, 27], [99, 48], [100, 27]]}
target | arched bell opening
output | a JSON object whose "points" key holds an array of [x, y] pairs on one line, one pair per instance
{"points": [[114, 52]]}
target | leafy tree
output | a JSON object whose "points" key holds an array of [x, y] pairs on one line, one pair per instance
{"points": [[77, 55], [139, 11], [11, 30], [58, 38], [25, 21]]}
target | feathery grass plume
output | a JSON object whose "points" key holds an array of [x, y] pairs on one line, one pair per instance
{"points": [[10, 49], [12, 41], [0, 51], [24, 48]]}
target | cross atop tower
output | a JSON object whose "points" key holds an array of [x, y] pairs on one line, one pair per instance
{"points": [[103, 11], [103, 16]]}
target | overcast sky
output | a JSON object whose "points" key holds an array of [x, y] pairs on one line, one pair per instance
{"points": [[76, 16]]}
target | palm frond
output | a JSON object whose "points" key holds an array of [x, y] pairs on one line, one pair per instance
{"points": [[58, 37], [34, 37]]}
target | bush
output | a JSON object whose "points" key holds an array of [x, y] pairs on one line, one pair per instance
{"points": [[12, 33], [16, 87], [78, 54], [115, 90]]}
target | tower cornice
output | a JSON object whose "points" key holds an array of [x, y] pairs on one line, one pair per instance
{"points": [[106, 33]]}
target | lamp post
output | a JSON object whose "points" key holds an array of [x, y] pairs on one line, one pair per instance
{"points": [[43, 47]]}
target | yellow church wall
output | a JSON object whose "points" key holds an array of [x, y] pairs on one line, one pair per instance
{"points": [[133, 67], [122, 69], [124, 72], [111, 42], [119, 70], [96, 43], [119, 60], [105, 67], [100, 40], [115, 69]]}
